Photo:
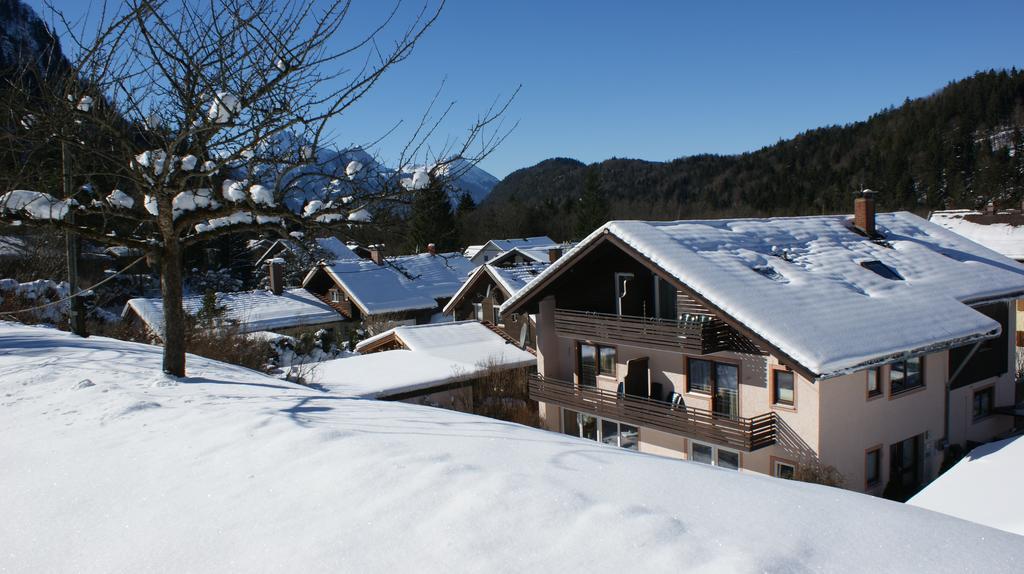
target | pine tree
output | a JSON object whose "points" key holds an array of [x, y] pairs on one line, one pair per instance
{"points": [[593, 211], [432, 220], [466, 204], [210, 313]]}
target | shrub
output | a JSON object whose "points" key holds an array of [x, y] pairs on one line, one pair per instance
{"points": [[817, 473]]}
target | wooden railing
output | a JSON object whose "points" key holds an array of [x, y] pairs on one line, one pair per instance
{"points": [[746, 434], [661, 333], [701, 334]]}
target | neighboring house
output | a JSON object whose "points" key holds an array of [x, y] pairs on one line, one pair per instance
{"points": [[779, 345], [984, 487], [486, 289], [480, 254], [404, 290], [278, 310], [434, 364], [285, 248], [1001, 231]]}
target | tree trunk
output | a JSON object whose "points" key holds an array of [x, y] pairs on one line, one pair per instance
{"points": [[174, 313]]}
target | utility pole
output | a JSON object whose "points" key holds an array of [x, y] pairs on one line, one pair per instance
{"points": [[76, 314]]}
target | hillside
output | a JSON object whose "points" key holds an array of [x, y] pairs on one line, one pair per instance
{"points": [[121, 469], [961, 146]]}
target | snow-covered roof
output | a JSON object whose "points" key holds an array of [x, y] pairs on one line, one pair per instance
{"points": [[984, 487], [472, 250], [252, 310], [334, 247], [799, 283], [522, 243], [1002, 232], [435, 354], [405, 283], [109, 465], [510, 279]]}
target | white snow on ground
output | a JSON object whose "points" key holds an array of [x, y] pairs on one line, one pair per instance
{"points": [[984, 487], [1004, 238], [437, 354], [252, 310], [816, 262], [108, 466]]}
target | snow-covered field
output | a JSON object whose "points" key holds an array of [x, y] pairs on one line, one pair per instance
{"points": [[108, 466]]}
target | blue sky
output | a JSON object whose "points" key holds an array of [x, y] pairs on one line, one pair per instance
{"points": [[660, 80]]}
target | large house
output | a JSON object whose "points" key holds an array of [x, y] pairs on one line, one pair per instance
{"points": [[782, 345], [384, 292]]}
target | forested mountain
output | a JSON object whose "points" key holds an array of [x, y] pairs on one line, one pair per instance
{"points": [[961, 146]]}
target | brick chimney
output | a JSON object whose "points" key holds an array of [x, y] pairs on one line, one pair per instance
{"points": [[432, 249], [376, 255], [276, 267], [864, 212], [554, 253]]}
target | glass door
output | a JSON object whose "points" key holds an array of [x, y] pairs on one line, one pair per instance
{"points": [[727, 389]]}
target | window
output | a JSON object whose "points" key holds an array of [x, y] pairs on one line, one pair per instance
{"points": [[602, 430], [783, 392], [983, 400], [873, 467], [478, 311], [664, 299], [905, 463], [713, 455], [720, 380], [698, 376], [725, 400], [874, 382], [595, 360], [882, 270], [906, 375], [335, 296], [785, 470]]}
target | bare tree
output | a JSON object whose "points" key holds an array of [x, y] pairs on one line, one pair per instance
{"points": [[191, 120]]}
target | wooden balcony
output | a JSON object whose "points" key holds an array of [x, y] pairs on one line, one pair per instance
{"points": [[700, 334], [746, 434]]}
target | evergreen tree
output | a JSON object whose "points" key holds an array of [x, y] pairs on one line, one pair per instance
{"points": [[432, 220], [466, 204], [210, 313], [593, 211]]}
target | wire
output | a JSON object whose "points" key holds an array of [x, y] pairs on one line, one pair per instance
{"points": [[80, 292]]}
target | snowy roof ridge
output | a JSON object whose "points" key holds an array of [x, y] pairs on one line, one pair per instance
{"points": [[828, 313], [404, 283], [1002, 231]]}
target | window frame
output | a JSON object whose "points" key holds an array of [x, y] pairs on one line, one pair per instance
{"points": [[879, 386], [713, 378], [335, 296], [600, 423], [773, 396], [868, 483], [598, 372], [989, 390], [714, 455], [920, 374], [777, 462]]}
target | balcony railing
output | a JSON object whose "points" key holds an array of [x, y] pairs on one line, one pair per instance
{"points": [[746, 434], [700, 334]]}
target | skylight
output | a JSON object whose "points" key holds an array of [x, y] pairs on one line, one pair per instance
{"points": [[882, 270]]}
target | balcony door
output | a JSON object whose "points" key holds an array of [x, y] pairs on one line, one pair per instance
{"points": [[637, 377], [727, 390]]}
